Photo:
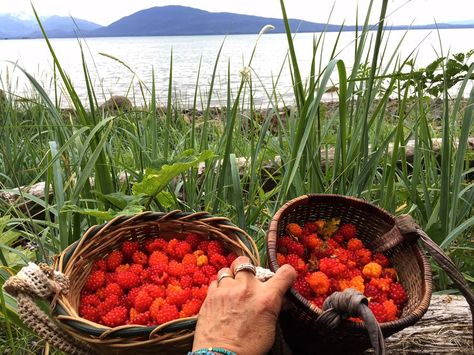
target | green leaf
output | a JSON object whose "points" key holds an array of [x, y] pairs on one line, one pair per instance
{"points": [[120, 199], [166, 199], [105, 215], [155, 181]]}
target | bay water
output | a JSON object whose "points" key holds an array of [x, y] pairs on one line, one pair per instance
{"points": [[117, 65]]}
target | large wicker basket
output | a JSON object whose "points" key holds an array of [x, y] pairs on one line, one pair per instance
{"points": [[76, 261], [376, 228]]}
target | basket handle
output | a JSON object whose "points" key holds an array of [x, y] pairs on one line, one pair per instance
{"points": [[41, 281], [410, 231], [352, 303]]}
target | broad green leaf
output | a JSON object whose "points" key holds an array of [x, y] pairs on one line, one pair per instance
{"points": [[156, 180]]}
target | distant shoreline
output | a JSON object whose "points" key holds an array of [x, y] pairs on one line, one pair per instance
{"points": [[463, 27]]}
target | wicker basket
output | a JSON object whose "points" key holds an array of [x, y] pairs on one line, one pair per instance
{"points": [[76, 261], [375, 226]]}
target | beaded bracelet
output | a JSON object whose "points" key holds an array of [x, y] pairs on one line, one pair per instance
{"points": [[212, 351]]}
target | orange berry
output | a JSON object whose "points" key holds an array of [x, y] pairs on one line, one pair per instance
{"points": [[319, 282], [372, 270], [202, 260], [294, 229]]}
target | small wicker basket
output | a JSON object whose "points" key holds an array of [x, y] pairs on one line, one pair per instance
{"points": [[76, 261], [375, 227]]}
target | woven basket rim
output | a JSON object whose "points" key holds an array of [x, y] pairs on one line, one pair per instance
{"points": [[423, 262], [82, 326]]}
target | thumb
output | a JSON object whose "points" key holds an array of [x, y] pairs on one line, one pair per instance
{"points": [[282, 280]]}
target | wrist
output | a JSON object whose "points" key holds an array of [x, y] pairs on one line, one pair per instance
{"points": [[212, 351]]}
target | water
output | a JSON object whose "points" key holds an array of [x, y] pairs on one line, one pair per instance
{"points": [[143, 55]]}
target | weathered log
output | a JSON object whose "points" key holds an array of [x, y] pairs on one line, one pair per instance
{"points": [[446, 328]]}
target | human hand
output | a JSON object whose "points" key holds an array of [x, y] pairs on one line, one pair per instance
{"points": [[240, 312]]}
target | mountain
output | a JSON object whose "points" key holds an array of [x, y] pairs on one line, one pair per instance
{"points": [[181, 20], [55, 26], [175, 21]]}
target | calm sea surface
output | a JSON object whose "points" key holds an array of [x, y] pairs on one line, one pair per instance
{"points": [[139, 57]]}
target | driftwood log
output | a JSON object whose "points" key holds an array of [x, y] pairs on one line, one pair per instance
{"points": [[446, 328], [37, 190]]}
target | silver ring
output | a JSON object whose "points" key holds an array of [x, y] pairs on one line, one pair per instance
{"points": [[222, 276], [246, 267]]}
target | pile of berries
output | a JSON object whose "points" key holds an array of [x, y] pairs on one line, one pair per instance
{"points": [[153, 282], [330, 257]]}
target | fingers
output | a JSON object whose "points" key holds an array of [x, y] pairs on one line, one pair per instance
{"points": [[282, 280], [224, 276], [243, 274]]}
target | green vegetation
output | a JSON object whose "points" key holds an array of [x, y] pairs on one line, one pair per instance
{"points": [[96, 165]]}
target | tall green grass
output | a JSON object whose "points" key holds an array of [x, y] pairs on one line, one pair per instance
{"points": [[98, 165]]}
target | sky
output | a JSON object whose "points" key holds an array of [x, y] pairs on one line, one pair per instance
{"points": [[105, 12]]}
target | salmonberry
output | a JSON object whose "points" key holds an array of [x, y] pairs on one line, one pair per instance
{"points": [[355, 244], [114, 259], [156, 244], [319, 283], [219, 261], [140, 258], [116, 317], [190, 308], [372, 270], [294, 229], [379, 311], [182, 248], [157, 257], [143, 301], [127, 279], [176, 269], [193, 239], [303, 287], [166, 313], [95, 280], [215, 247], [398, 294], [89, 312], [139, 318], [348, 231], [129, 247], [114, 289]]}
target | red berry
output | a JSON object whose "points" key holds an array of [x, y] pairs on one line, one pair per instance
{"points": [[355, 244], [175, 269], [158, 273], [186, 281], [139, 318], [203, 245], [132, 294], [190, 308], [89, 312], [209, 270], [129, 247], [398, 294], [199, 278], [90, 300], [182, 248], [113, 289], [114, 259], [155, 244], [155, 291], [157, 257], [215, 247], [348, 231], [302, 286], [127, 279], [116, 317], [379, 311], [95, 280], [298, 264], [166, 313], [176, 295], [217, 260], [143, 301], [140, 258], [193, 239]]}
